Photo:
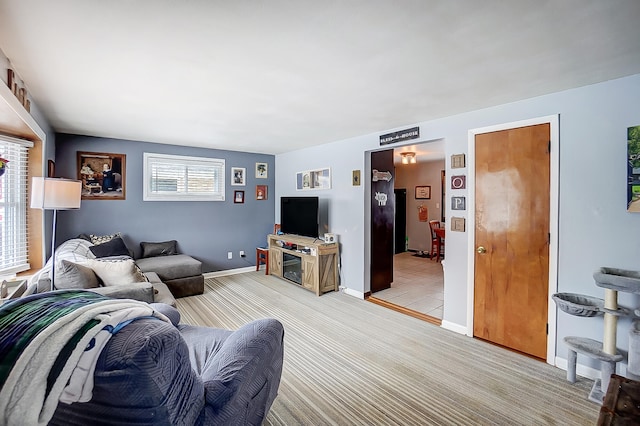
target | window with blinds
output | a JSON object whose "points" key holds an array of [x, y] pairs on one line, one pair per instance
{"points": [[181, 178], [13, 206]]}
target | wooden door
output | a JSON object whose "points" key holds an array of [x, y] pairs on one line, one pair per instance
{"points": [[382, 213], [512, 181]]}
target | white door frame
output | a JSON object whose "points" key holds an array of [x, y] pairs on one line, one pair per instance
{"points": [[554, 168]]}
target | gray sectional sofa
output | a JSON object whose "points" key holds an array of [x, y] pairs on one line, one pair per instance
{"points": [[105, 265]]}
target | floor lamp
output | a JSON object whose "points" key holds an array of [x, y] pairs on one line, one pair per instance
{"points": [[55, 194]]}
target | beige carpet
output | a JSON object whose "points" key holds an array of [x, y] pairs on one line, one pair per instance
{"points": [[350, 362]]}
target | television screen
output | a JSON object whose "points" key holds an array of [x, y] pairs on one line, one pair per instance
{"points": [[299, 216]]}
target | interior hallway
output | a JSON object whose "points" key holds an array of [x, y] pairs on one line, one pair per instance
{"points": [[418, 285]]}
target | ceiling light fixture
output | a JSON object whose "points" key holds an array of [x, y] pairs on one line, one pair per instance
{"points": [[408, 157]]}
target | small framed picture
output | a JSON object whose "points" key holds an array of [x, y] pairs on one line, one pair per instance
{"points": [[238, 197], [261, 171], [261, 192], [238, 176], [423, 192]]}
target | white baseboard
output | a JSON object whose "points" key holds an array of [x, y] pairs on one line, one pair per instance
{"points": [[354, 293], [229, 272], [452, 326]]}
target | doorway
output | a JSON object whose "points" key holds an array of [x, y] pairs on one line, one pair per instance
{"points": [[513, 201], [417, 286]]}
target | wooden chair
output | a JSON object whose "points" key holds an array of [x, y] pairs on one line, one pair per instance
{"points": [[262, 253], [262, 256], [437, 245]]}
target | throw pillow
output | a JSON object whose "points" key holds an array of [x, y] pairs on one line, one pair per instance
{"points": [[100, 239], [74, 275], [86, 237], [116, 272], [164, 248], [114, 247]]}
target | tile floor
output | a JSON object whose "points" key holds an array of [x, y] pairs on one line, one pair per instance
{"points": [[418, 284]]}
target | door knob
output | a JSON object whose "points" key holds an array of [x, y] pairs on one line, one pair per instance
{"points": [[481, 250]]}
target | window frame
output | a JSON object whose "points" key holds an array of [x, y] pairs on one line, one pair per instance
{"points": [[18, 172], [183, 160]]}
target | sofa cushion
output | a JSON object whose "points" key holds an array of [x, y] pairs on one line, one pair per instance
{"points": [[164, 248], [143, 291], [114, 247], [171, 267], [74, 275], [162, 292], [116, 272]]}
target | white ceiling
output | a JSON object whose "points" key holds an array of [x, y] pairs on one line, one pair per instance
{"points": [[275, 76]]}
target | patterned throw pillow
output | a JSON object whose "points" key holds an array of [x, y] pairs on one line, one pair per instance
{"points": [[99, 239]]}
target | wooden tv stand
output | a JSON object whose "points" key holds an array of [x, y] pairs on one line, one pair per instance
{"points": [[308, 262]]}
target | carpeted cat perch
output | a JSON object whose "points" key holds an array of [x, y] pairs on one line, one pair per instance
{"points": [[612, 280]]}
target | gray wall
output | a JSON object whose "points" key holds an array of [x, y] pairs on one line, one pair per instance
{"points": [[205, 230]]}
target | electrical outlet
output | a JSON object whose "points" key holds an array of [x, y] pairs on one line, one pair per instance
{"points": [[241, 253], [230, 255]]}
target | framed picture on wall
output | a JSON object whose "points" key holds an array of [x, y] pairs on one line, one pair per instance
{"points": [[313, 179], [238, 197], [423, 192], [261, 192], [633, 169], [261, 171], [238, 176], [102, 175]]}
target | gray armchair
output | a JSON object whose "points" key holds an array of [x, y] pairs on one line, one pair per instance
{"points": [[156, 373]]}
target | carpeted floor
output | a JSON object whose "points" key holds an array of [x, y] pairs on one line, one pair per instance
{"points": [[350, 362]]}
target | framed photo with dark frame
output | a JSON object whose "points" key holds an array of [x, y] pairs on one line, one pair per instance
{"points": [[261, 192], [423, 192], [238, 197], [102, 175]]}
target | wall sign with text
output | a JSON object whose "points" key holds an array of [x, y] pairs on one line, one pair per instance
{"points": [[457, 161], [399, 136], [458, 203], [458, 182], [423, 192]]}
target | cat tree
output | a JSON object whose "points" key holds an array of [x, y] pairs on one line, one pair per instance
{"points": [[612, 280]]}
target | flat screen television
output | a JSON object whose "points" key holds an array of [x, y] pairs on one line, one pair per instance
{"points": [[299, 216]]}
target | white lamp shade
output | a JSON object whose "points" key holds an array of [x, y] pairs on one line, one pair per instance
{"points": [[55, 194]]}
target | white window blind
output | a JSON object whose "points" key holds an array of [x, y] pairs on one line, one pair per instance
{"points": [[13, 206], [181, 178]]}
